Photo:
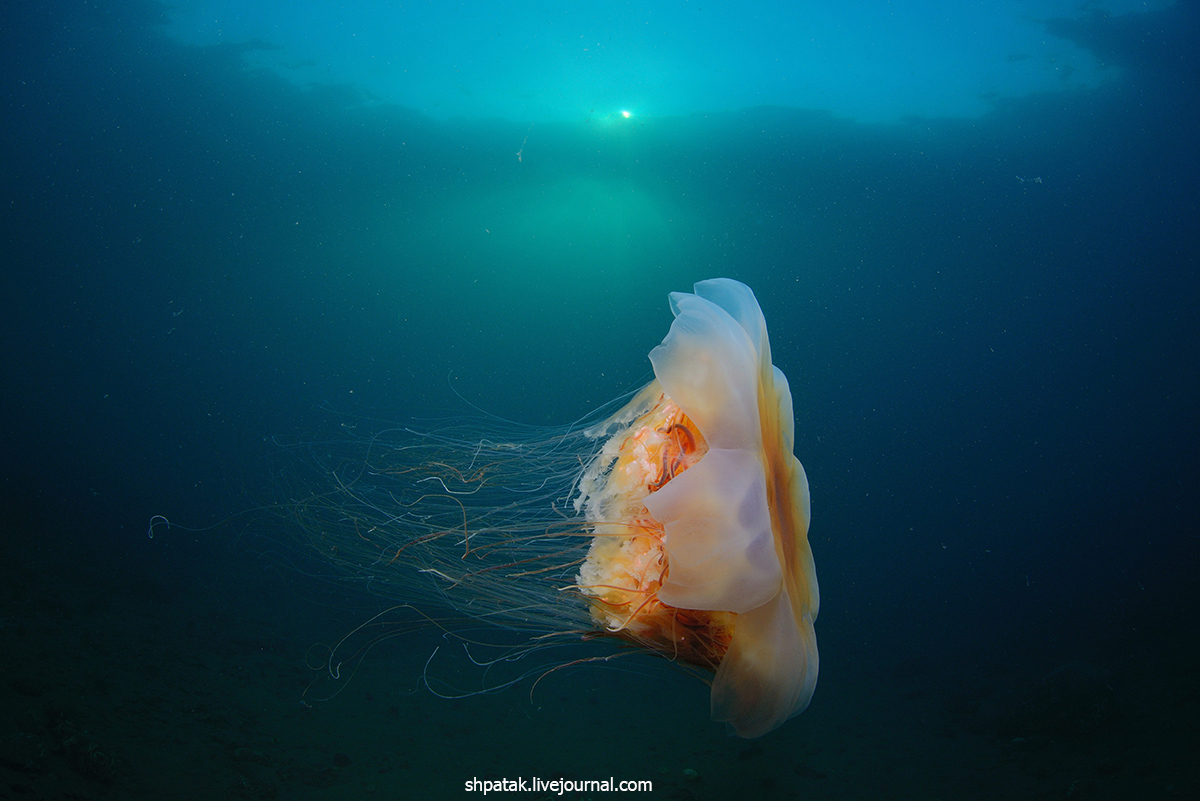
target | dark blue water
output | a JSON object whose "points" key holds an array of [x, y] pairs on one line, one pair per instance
{"points": [[989, 326]]}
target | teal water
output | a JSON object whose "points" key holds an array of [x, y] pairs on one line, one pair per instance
{"points": [[986, 311]]}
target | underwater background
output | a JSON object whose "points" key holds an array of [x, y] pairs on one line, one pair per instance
{"points": [[974, 235]]}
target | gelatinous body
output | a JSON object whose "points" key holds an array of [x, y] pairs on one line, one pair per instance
{"points": [[700, 513]]}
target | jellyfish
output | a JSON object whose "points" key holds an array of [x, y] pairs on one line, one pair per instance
{"points": [[676, 524]]}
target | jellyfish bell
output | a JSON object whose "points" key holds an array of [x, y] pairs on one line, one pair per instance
{"points": [[701, 513], [678, 524]]}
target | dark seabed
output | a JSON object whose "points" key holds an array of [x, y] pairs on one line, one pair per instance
{"points": [[989, 325]]}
